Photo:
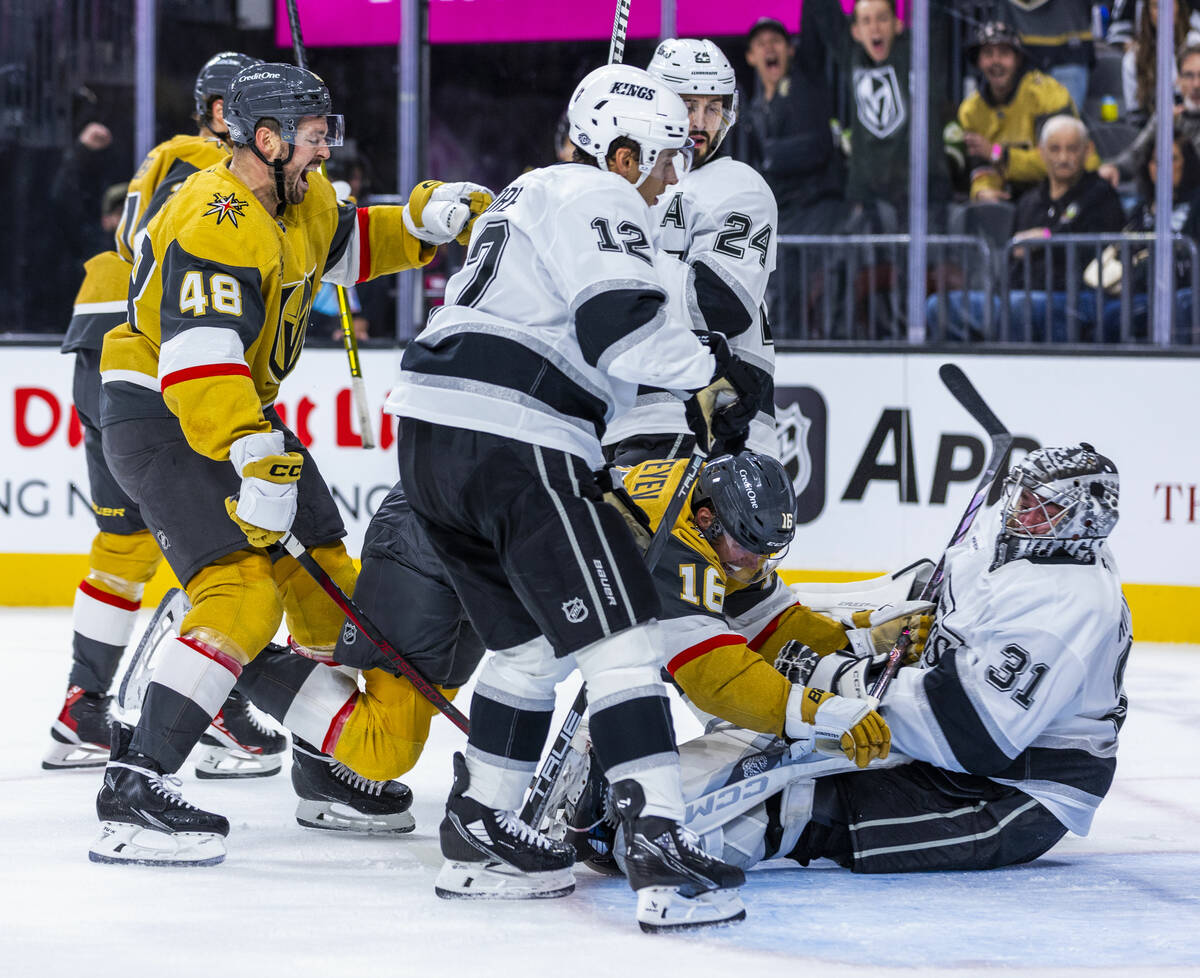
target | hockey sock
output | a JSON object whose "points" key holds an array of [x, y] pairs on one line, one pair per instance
{"points": [[631, 718], [103, 619], [189, 685]]}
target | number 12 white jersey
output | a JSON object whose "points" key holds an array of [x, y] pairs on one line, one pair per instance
{"points": [[558, 315]]}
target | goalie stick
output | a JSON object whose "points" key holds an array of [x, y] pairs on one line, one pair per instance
{"points": [[368, 628], [965, 393], [358, 386]]}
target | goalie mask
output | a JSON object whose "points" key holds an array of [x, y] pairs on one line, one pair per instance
{"points": [[1059, 503], [694, 67], [620, 100], [753, 503], [213, 81]]}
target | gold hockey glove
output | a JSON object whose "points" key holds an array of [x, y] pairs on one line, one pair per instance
{"points": [[266, 502], [861, 732], [876, 632], [438, 213]]}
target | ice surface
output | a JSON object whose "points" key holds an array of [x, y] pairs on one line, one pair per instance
{"points": [[299, 902]]}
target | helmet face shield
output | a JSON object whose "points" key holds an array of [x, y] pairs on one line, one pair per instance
{"points": [[315, 132]]}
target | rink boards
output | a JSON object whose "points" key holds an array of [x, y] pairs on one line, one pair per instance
{"points": [[883, 459]]}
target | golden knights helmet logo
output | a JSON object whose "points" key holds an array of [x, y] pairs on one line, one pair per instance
{"points": [[294, 307]]}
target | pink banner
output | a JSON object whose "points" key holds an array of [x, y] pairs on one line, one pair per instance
{"points": [[362, 22]]}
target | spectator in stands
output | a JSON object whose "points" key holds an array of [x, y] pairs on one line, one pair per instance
{"points": [[1114, 275], [785, 134], [1058, 38], [1001, 120], [112, 204], [1139, 63], [1069, 201], [1133, 160], [875, 55]]}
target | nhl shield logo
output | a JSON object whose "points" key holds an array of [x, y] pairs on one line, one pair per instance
{"points": [[349, 633], [792, 427], [575, 610], [163, 542], [879, 100]]}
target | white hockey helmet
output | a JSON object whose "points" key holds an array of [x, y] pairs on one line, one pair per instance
{"points": [[620, 100], [1070, 506], [690, 66]]}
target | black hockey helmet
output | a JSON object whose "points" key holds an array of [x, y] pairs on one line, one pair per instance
{"points": [[215, 76], [994, 32], [281, 92], [752, 500]]}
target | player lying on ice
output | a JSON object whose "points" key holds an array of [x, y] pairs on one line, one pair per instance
{"points": [[1004, 732]]}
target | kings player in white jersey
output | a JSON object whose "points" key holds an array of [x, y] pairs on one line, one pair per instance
{"points": [[721, 220], [1010, 718]]}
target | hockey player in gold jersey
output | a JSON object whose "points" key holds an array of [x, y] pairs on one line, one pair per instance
{"points": [[726, 614], [222, 286], [124, 554]]}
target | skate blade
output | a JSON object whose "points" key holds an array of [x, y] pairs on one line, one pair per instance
{"points": [[122, 842], [335, 817], [73, 757], [214, 763], [498, 881], [662, 909]]}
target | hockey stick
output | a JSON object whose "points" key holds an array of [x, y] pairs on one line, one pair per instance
{"points": [[349, 340], [368, 628], [534, 809], [965, 393]]}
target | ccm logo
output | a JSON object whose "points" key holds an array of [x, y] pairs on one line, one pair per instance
{"points": [[281, 469], [725, 797]]}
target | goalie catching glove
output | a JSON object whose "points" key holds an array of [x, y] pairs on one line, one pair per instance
{"points": [[266, 502], [877, 632], [438, 213], [719, 415], [862, 733]]}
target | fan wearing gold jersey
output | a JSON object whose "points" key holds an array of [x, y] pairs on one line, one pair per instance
{"points": [[124, 554], [222, 286]]}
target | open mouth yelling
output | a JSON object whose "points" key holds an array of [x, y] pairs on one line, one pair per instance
{"points": [[878, 47]]}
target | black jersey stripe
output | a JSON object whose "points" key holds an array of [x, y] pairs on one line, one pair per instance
{"points": [[347, 221], [960, 724], [486, 358], [611, 316], [722, 308]]}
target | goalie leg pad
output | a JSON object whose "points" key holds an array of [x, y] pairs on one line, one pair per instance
{"points": [[662, 909]]}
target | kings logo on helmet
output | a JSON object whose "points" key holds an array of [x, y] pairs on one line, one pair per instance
{"points": [[634, 91]]}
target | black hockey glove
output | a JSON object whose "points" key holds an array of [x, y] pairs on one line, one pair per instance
{"points": [[719, 415]]}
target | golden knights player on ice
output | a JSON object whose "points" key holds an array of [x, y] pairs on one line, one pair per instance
{"points": [[222, 284], [719, 220], [124, 554]]}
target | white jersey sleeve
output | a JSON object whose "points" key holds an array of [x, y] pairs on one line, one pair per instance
{"points": [[1022, 677], [721, 220]]}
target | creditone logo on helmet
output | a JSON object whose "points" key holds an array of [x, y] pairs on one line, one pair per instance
{"points": [[632, 90]]}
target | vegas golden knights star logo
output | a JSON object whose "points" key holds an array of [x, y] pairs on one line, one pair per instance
{"points": [[226, 206], [293, 320]]}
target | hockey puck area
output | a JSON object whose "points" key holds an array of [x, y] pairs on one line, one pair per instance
{"points": [[1122, 899]]}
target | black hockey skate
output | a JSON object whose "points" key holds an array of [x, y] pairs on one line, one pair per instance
{"points": [[679, 886], [592, 820], [80, 732], [336, 798], [145, 820], [238, 745], [493, 855]]}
